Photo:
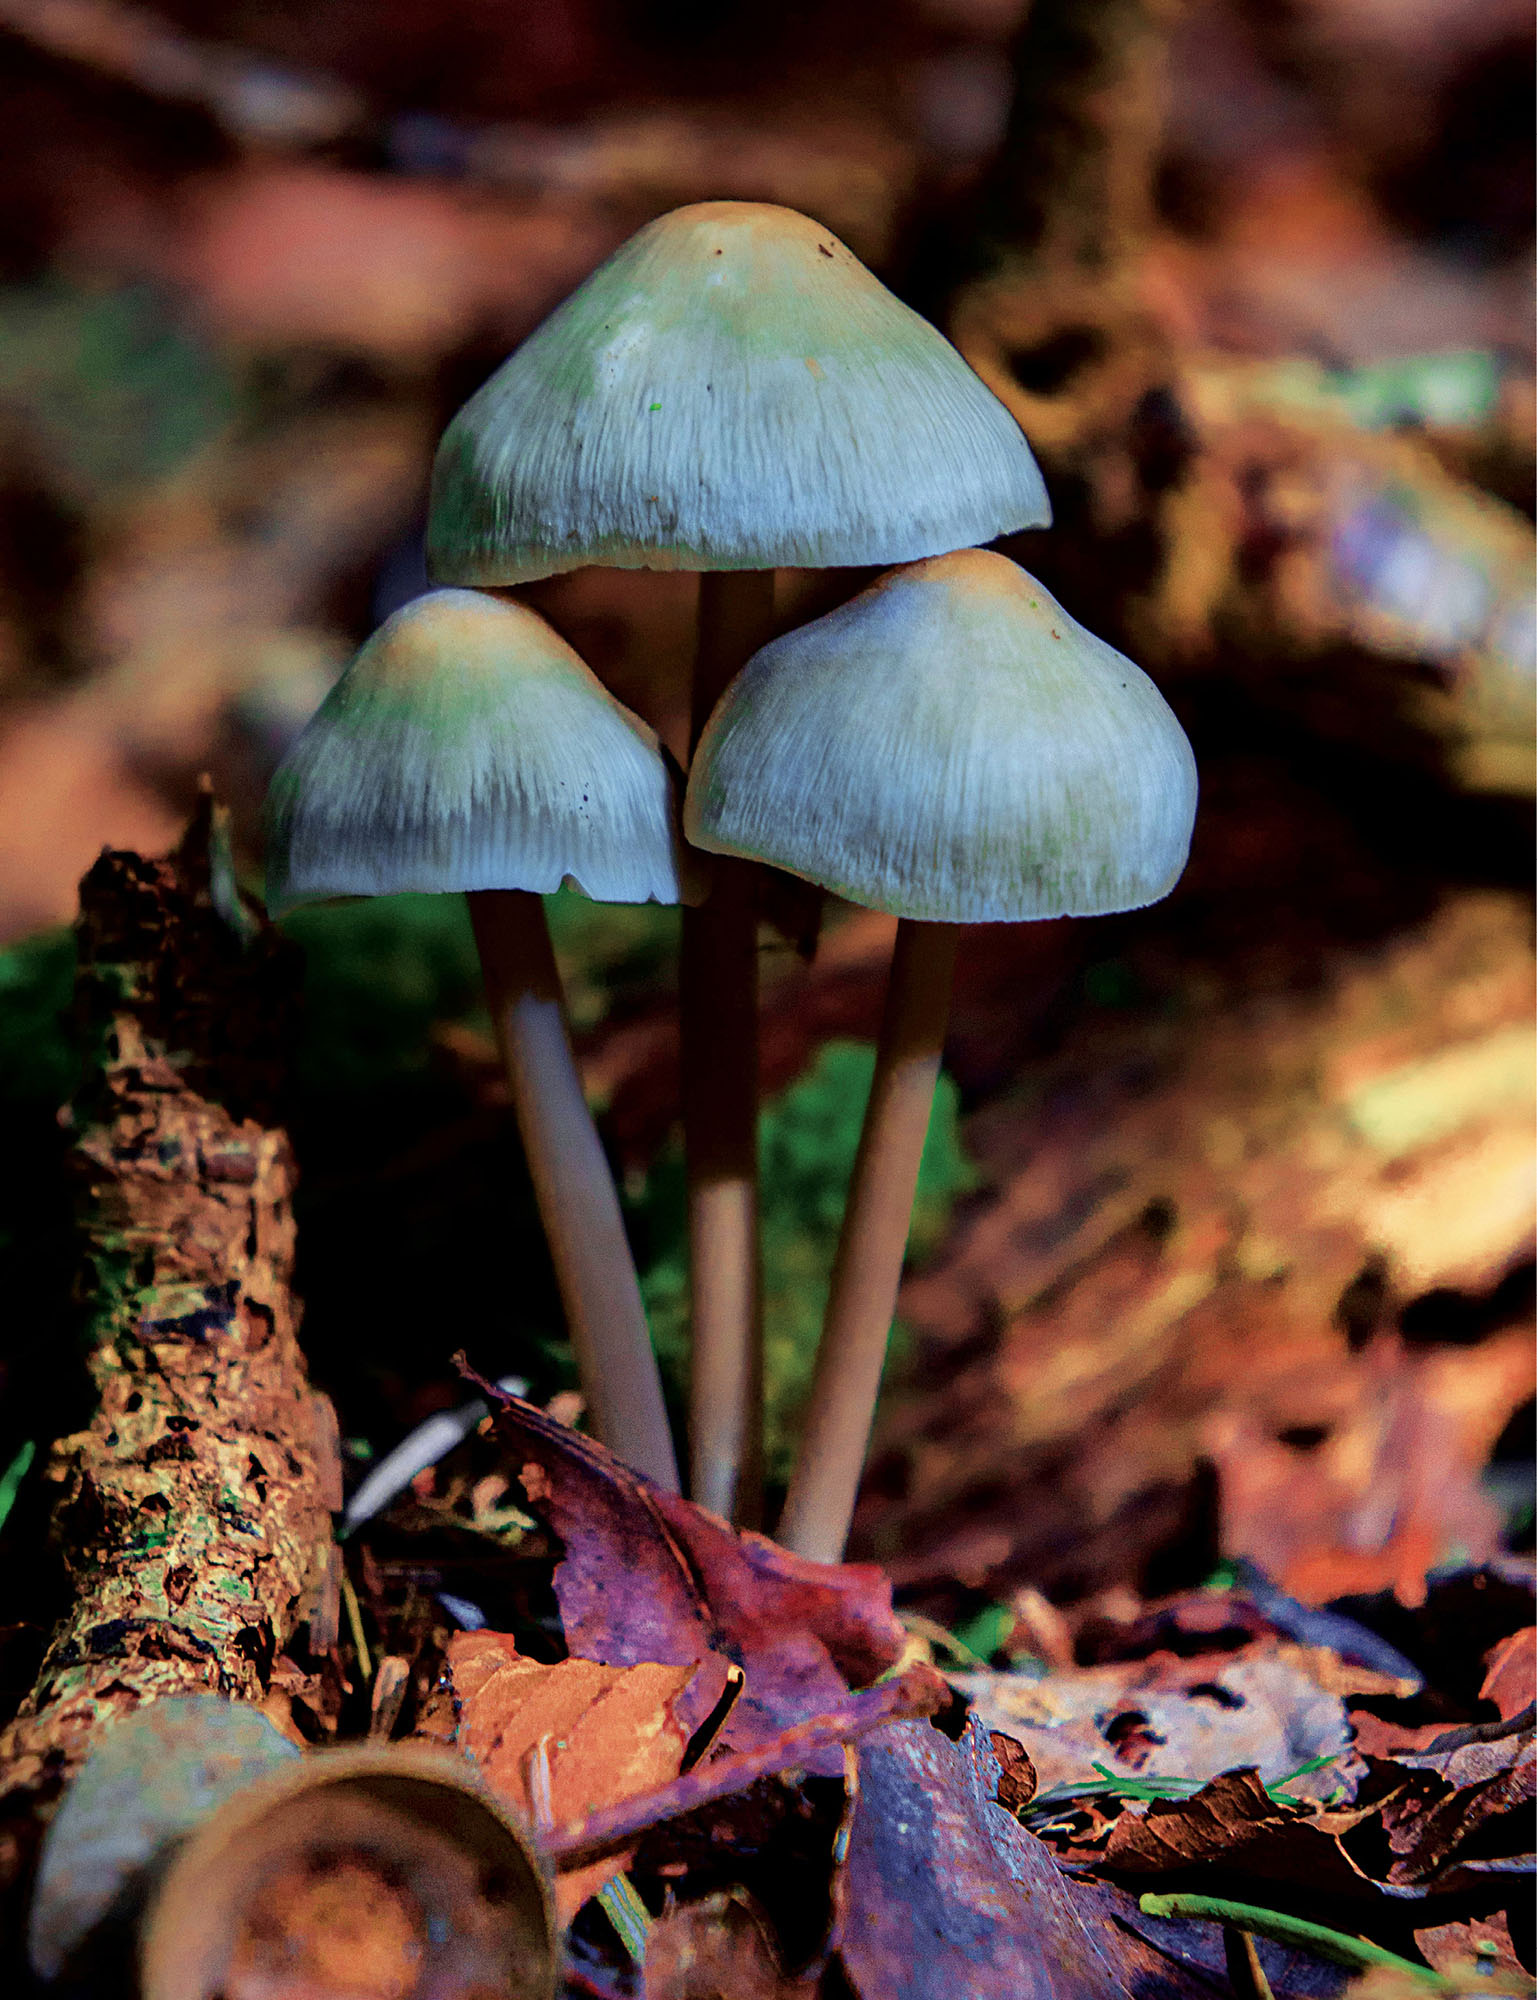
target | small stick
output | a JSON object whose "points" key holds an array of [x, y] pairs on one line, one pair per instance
{"points": [[719, 1009], [1300, 1934], [867, 1271], [917, 1691], [355, 1627], [575, 1189], [1245, 1974]]}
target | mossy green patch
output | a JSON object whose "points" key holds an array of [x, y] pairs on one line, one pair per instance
{"points": [[115, 390], [39, 1061]]}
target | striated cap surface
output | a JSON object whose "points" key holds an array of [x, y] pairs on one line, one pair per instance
{"points": [[468, 747], [731, 390], [950, 746]]}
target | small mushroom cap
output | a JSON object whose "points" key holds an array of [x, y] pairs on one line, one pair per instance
{"points": [[467, 747], [731, 390], [950, 746]]}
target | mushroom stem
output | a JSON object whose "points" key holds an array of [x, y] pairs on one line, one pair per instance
{"points": [[719, 1006], [575, 1189], [867, 1271]]}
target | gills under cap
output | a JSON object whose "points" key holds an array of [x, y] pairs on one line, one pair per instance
{"points": [[950, 746], [468, 747], [731, 390]]}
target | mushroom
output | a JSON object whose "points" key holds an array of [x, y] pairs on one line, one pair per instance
{"points": [[950, 747], [468, 749], [732, 392]]}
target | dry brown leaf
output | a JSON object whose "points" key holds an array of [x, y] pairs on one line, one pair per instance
{"points": [[1484, 1941], [1377, 1737], [602, 1734], [1198, 1221], [1477, 1791], [1174, 1718], [1017, 1782], [1511, 1682], [1235, 1819]]}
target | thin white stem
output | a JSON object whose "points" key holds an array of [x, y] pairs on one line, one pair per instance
{"points": [[577, 1198], [867, 1272], [719, 995]]}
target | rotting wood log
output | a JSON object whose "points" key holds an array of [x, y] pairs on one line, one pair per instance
{"points": [[1221, 511], [193, 1511]]}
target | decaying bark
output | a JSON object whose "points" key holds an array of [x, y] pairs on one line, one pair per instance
{"points": [[193, 1511]]}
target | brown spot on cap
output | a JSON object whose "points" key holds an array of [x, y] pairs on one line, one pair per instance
{"points": [[814, 365], [824, 250]]}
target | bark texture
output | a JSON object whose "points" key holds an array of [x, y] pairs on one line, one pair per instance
{"points": [[193, 1512]]}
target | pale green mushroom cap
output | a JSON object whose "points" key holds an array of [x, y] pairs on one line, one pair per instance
{"points": [[950, 746], [731, 390], [467, 747]]}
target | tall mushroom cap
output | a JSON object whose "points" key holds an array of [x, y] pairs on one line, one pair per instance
{"points": [[950, 746], [467, 747], [731, 390]]}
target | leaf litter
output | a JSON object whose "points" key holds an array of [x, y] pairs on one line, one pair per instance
{"points": [[999, 1847], [753, 1783]]}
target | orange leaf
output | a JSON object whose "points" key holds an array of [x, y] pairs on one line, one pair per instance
{"points": [[604, 1733]]}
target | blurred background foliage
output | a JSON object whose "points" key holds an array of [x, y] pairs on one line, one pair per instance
{"points": [[1256, 280]]}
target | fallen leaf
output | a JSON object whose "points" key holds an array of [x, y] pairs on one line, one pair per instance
{"points": [[1484, 1941], [1511, 1682], [603, 1733], [1481, 1791], [646, 1575], [1176, 1719], [1383, 1499], [719, 1949], [917, 1691], [1466, 1612], [946, 1897], [1377, 1736], [1040, 1628], [1017, 1782], [407, 265], [1326, 1669], [1235, 1820], [1182, 1222]]}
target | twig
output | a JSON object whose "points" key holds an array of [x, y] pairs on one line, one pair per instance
{"points": [[918, 1691], [1245, 1973], [1355, 1953]]}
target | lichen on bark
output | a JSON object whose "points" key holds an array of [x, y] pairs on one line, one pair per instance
{"points": [[193, 1510]]}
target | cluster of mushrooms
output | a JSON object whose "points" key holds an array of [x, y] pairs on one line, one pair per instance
{"points": [[733, 393]]}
